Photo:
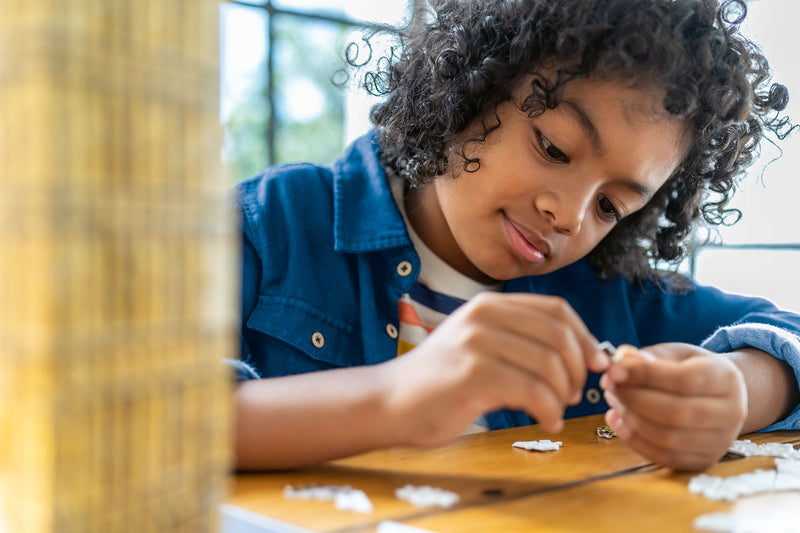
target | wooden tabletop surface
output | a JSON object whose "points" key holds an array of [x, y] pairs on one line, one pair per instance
{"points": [[591, 484]]}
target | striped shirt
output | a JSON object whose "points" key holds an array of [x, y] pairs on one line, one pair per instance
{"points": [[421, 310]]}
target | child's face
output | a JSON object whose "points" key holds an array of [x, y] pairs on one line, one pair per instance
{"points": [[550, 188]]}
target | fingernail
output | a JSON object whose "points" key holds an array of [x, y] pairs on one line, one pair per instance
{"points": [[618, 374], [601, 360], [614, 421], [558, 425], [576, 398], [606, 383], [613, 402]]}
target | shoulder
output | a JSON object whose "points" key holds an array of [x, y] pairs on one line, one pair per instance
{"points": [[667, 294], [282, 201], [672, 287], [308, 190], [300, 184]]}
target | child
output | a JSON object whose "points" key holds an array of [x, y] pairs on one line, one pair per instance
{"points": [[532, 164]]}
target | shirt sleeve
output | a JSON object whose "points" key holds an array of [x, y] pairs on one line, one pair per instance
{"points": [[768, 338], [245, 367], [241, 370]]}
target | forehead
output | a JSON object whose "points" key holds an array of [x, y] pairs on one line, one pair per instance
{"points": [[636, 95]]}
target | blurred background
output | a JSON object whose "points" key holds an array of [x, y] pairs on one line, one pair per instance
{"points": [[279, 104]]}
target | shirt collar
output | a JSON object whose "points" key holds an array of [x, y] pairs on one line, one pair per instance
{"points": [[365, 216]]}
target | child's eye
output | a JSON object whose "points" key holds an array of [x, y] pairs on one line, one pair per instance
{"points": [[551, 151], [607, 208]]}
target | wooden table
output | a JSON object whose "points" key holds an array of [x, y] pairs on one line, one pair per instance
{"points": [[591, 484]]}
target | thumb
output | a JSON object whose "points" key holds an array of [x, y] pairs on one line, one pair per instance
{"points": [[626, 359], [674, 351]]}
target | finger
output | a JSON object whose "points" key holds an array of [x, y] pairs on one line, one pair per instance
{"points": [[555, 340], [676, 438], [553, 321], [554, 306], [698, 376], [490, 381], [546, 321], [675, 351], [593, 358], [528, 393], [543, 406], [606, 383], [624, 357], [668, 410], [598, 361], [531, 358], [689, 459]]}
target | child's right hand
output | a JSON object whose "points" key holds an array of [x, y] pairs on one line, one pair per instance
{"points": [[519, 351]]}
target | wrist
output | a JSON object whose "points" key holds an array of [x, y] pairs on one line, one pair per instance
{"points": [[394, 405], [771, 388]]}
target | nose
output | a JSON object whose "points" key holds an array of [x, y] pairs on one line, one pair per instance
{"points": [[565, 211]]}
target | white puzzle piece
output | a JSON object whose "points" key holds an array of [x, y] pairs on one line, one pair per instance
{"points": [[538, 445]]}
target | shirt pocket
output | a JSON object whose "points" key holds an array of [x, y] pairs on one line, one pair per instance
{"points": [[317, 334]]}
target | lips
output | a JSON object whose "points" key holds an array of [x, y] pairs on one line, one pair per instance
{"points": [[527, 244]]}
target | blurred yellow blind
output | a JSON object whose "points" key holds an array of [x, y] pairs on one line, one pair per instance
{"points": [[117, 267]]}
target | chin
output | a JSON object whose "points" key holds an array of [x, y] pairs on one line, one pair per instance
{"points": [[514, 269], [540, 269]]}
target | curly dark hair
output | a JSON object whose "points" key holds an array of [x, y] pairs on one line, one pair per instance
{"points": [[465, 57]]}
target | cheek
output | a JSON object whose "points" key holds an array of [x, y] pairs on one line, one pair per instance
{"points": [[452, 208], [458, 197], [579, 246], [594, 238], [446, 195]]}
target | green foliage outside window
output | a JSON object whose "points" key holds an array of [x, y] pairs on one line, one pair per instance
{"points": [[309, 107], [245, 148]]}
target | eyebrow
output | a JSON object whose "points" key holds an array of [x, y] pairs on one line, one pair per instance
{"points": [[585, 124], [591, 132], [641, 190]]}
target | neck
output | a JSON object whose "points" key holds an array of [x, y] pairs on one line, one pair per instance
{"points": [[426, 217]]}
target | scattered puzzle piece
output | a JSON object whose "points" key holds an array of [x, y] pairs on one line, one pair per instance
{"points": [[768, 514], [345, 498], [607, 347], [748, 448], [538, 445], [353, 500], [427, 496], [786, 477], [605, 432]]}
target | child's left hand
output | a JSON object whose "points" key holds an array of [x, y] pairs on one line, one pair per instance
{"points": [[676, 404]]}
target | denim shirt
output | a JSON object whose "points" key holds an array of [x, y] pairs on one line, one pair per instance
{"points": [[326, 256]]}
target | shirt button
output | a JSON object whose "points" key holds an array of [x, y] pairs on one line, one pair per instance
{"points": [[404, 268], [593, 396], [317, 339], [391, 331]]}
